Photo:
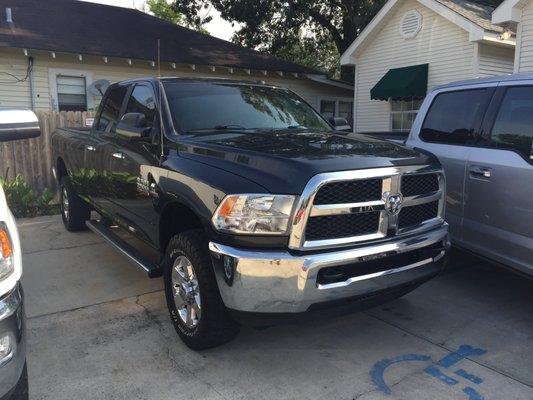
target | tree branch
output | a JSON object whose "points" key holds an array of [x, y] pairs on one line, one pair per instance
{"points": [[327, 24]]}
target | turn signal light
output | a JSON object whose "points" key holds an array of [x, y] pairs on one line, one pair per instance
{"points": [[5, 243]]}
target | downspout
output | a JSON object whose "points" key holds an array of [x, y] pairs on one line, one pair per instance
{"points": [[30, 77]]}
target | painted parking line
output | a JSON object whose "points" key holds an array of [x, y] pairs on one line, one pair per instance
{"points": [[434, 370]]}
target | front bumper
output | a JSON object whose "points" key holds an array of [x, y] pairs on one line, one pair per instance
{"points": [[279, 282], [12, 324]]}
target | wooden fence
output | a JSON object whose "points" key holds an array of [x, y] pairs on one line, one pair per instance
{"points": [[32, 158]]}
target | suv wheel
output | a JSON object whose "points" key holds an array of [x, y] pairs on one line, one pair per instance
{"points": [[74, 210], [196, 308]]}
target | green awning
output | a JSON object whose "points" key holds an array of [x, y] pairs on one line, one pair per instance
{"points": [[402, 83]]}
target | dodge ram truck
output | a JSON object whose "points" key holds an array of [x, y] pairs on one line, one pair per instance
{"points": [[249, 203]]}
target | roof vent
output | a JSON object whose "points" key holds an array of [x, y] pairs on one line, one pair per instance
{"points": [[410, 24]]}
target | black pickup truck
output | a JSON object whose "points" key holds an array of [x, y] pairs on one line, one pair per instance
{"points": [[251, 203]]}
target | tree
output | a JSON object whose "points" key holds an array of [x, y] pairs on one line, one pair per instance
{"points": [[277, 26], [162, 9]]}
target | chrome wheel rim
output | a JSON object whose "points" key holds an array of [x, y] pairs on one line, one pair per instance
{"points": [[186, 292], [65, 203]]}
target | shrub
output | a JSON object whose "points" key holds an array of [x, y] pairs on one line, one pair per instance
{"points": [[25, 202]]}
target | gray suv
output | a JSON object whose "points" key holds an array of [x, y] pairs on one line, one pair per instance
{"points": [[482, 132]]}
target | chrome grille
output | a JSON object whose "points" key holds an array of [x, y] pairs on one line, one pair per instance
{"points": [[342, 208], [349, 192], [343, 225]]}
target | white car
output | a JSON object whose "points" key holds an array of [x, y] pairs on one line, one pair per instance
{"points": [[14, 124]]}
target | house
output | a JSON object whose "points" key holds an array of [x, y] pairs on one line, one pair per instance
{"points": [[412, 46], [52, 51], [517, 15]]}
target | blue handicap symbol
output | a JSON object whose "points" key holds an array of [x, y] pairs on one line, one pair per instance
{"points": [[435, 370]]}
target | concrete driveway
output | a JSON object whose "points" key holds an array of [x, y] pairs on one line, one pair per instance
{"points": [[99, 329]]}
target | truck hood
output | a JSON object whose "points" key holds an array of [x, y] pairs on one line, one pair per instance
{"points": [[284, 161]]}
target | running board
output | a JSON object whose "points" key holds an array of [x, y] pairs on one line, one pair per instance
{"points": [[153, 270]]}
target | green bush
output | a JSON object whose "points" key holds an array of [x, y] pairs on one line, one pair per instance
{"points": [[25, 202]]}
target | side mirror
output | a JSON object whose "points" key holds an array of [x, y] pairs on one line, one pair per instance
{"points": [[16, 124], [340, 124], [133, 126]]}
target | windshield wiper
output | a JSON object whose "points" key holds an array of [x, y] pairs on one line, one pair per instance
{"points": [[219, 128]]}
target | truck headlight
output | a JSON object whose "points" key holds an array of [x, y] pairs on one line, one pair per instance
{"points": [[7, 259], [260, 214]]}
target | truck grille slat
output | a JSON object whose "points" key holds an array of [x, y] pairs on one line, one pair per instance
{"points": [[349, 192], [413, 185], [343, 225], [415, 215]]}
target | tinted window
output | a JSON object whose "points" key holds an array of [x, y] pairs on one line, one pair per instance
{"points": [[142, 101], [513, 127], [111, 109], [454, 117], [207, 106]]}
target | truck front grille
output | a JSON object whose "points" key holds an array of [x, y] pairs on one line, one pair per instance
{"points": [[342, 208], [349, 192], [341, 226]]}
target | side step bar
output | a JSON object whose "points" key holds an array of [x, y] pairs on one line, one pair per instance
{"points": [[153, 270]]}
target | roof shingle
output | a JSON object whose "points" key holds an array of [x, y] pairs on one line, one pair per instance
{"points": [[80, 27]]}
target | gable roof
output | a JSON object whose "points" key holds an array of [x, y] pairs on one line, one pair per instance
{"points": [[472, 16], [509, 11], [80, 27], [476, 12]]}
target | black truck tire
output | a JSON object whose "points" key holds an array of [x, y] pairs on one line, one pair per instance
{"points": [[74, 210], [214, 326]]}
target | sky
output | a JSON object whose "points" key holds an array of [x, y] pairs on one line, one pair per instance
{"points": [[217, 27]]}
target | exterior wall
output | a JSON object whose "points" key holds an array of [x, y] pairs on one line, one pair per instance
{"points": [[13, 61], [440, 43], [495, 60], [524, 47]]}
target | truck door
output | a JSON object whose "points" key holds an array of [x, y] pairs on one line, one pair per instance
{"points": [[133, 164], [447, 130], [499, 186]]}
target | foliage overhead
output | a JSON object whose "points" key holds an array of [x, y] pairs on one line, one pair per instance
{"points": [[162, 9], [311, 32]]}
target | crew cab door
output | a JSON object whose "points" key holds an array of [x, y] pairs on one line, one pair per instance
{"points": [[447, 125], [499, 184], [131, 162]]}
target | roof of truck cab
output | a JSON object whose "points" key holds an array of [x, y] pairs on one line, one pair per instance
{"points": [[196, 79], [492, 79]]}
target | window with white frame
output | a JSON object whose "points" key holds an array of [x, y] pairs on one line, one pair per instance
{"points": [[71, 93], [403, 113], [337, 108]]}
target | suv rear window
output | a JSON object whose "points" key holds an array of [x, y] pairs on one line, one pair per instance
{"points": [[513, 127], [454, 117]]}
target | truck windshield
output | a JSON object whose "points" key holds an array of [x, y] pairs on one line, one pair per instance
{"points": [[214, 106]]}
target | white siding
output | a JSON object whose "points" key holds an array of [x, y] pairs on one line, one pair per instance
{"points": [[525, 58], [18, 94], [441, 44], [495, 60]]}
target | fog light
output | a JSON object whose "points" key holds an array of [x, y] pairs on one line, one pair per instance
{"points": [[229, 269], [6, 349]]}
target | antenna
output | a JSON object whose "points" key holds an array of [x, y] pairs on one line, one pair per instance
{"points": [[159, 58]]}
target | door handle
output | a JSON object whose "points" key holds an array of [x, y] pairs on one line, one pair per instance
{"points": [[480, 172], [119, 155], [90, 148]]}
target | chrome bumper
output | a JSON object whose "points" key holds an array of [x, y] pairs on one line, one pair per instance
{"points": [[278, 282], [12, 324]]}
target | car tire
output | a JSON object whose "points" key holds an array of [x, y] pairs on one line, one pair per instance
{"points": [[196, 309], [74, 210]]}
